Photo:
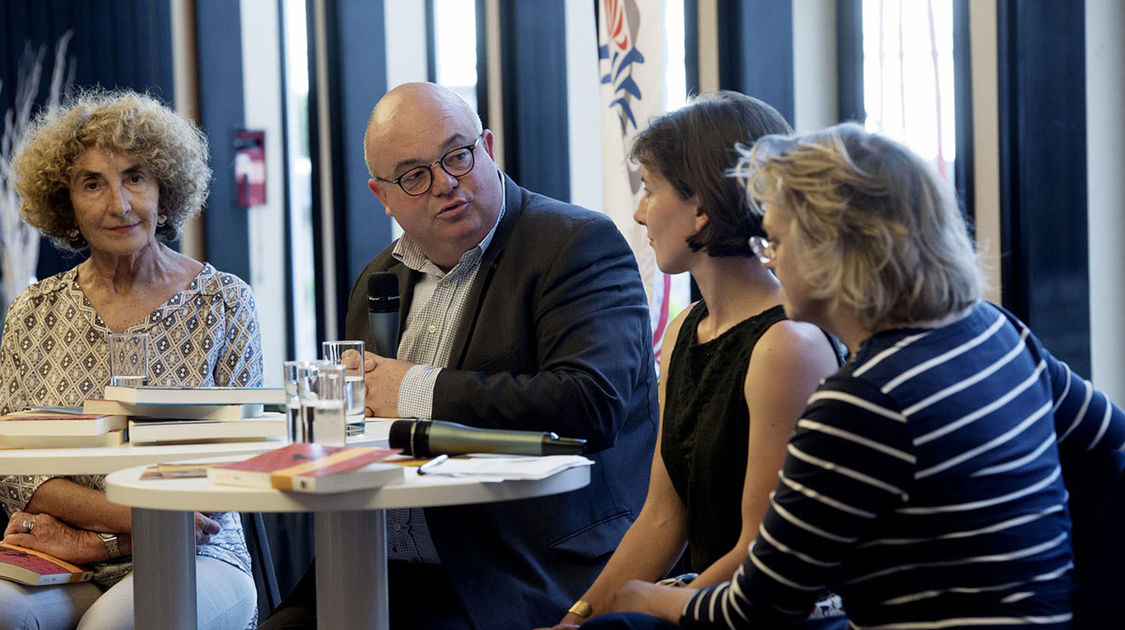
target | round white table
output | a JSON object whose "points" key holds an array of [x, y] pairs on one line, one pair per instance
{"points": [[350, 536], [103, 460]]}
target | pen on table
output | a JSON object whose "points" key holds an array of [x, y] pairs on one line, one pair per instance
{"points": [[433, 463]]}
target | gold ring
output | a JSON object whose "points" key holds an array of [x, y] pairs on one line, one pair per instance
{"points": [[28, 525]]}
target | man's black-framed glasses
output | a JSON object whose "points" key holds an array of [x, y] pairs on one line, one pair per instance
{"points": [[418, 180]]}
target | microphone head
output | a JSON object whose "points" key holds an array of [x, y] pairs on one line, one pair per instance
{"points": [[399, 436], [382, 292]]}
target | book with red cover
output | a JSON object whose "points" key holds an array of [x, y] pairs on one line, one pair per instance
{"points": [[35, 568], [49, 422], [306, 467]]}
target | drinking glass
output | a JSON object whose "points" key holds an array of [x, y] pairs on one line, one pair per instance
{"points": [[350, 355], [321, 389], [128, 359], [292, 373]]}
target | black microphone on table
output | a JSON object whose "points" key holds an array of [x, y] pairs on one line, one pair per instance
{"points": [[426, 438], [382, 312]]}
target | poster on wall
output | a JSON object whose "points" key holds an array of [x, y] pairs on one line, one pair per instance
{"points": [[250, 167]]}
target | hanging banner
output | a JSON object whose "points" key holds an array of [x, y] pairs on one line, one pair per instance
{"points": [[631, 66]]}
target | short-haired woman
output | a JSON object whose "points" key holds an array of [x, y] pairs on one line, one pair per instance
{"points": [[735, 373], [923, 483], [117, 173]]}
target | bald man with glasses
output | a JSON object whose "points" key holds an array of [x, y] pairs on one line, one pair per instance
{"points": [[518, 312]]}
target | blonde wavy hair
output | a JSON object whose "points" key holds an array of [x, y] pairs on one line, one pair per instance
{"points": [[876, 228], [170, 146]]}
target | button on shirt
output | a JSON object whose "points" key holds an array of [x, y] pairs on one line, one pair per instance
{"points": [[436, 311]]}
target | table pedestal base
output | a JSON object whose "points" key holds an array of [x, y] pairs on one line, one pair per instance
{"points": [[351, 556], [164, 569]]}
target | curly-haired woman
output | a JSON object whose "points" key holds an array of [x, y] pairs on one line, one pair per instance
{"points": [[117, 173]]}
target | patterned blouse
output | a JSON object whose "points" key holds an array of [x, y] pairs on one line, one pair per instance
{"points": [[55, 352]]}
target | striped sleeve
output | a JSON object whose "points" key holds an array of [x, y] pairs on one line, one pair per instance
{"points": [[1085, 418], [849, 462]]}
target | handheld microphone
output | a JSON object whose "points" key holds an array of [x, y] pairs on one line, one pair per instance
{"points": [[382, 312], [426, 438]]}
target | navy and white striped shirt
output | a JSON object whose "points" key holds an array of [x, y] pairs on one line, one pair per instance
{"points": [[923, 485]]}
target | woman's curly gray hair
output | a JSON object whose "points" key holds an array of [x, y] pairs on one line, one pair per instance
{"points": [[169, 145]]}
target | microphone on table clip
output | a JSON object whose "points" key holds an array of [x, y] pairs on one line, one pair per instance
{"points": [[426, 438], [382, 312]]}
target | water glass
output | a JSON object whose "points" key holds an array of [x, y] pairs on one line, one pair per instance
{"points": [[128, 359], [292, 373], [350, 355], [321, 387]]}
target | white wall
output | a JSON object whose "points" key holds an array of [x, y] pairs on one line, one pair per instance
{"points": [[583, 104], [261, 77], [1105, 164], [986, 140], [814, 65]]}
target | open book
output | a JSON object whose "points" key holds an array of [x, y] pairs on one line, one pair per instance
{"points": [[36, 568], [306, 467]]}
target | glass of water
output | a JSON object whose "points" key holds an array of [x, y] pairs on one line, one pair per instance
{"points": [[292, 373], [128, 359], [322, 403], [350, 355]]}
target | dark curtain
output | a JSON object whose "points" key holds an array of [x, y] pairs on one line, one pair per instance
{"points": [[126, 44], [1042, 99]]}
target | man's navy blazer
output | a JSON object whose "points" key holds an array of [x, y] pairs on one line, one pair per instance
{"points": [[555, 337]]}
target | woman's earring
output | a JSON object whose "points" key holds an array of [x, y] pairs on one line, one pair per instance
{"points": [[73, 234], [161, 219]]}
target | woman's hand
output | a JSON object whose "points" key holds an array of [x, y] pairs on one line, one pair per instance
{"points": [[43, 532], [568, 623], [664, 602], [205, 527]]}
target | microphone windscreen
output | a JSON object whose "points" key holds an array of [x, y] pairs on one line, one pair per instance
{"points": [[399, 436], [382, 292]]}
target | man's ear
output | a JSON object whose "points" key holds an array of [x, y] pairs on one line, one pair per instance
{"points": [[376, 189]]}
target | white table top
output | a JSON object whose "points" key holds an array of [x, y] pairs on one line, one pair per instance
{"points": [[106, 459], [125, 487]]}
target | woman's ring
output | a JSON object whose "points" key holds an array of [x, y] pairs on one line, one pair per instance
{"points": [[28, 525]]}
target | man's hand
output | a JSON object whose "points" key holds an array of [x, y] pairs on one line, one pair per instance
{"points": [[664, 602], [383, 378]]}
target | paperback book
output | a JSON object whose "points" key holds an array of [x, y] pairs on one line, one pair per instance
{"points": [[304, 467], [196, 395], [41, 422], [167, 411], [269, 425], [109, 438], [35, 568]]}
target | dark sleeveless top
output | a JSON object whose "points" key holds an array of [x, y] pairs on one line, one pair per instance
{"points": [[706, 428]]}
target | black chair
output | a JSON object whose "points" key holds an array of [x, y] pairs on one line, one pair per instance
{"points": [[261, 563], [1096, 482]]}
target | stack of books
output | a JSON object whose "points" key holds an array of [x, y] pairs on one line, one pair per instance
{"points": [[61, 427], [194, 414]]}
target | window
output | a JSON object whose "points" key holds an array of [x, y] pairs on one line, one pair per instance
{"points": [[908, 76], [302, 280], [455, 47]]}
